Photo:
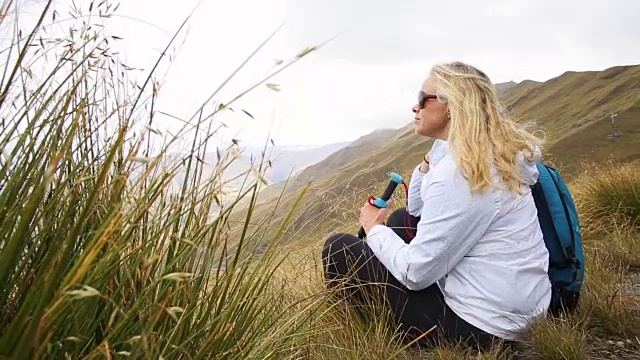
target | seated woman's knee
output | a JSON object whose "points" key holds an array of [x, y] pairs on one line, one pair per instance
{"points": [[335, 242], [397, 218]]}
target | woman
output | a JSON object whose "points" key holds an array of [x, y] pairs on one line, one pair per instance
{"points": [[467, 254]]}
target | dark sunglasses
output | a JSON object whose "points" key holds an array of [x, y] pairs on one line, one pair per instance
{"points": [[423, 97]]}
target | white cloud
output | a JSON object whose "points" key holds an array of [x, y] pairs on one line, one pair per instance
{"points": [[368, 76]]}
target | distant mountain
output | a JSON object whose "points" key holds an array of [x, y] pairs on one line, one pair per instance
{"points": [[278, 162], [502, 89], [288, 160], [337, 159]]}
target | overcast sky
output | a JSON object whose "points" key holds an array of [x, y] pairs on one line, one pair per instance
{"points": [[368, 76]]}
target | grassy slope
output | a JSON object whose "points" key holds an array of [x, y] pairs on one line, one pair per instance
{"points": [[585, 98], [555, 105]]}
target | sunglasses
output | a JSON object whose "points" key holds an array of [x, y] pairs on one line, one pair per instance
{"points": [[424, 97]]}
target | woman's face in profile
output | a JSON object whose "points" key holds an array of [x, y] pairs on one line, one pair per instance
{"points": [[431, 118]]}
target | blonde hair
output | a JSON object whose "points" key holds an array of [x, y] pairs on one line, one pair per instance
{"points": [[480, 133]]}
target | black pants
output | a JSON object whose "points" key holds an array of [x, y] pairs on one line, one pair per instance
{"points": [[350, 264]]}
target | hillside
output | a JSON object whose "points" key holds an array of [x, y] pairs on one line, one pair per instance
{"points": [[336, 160], [503, 89], [572, 109], [285, 160]]}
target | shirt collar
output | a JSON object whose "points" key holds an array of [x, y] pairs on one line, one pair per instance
{"points": [[439, 150]]}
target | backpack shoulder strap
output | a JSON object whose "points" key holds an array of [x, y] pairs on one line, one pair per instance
{"points": [[561, 208]]}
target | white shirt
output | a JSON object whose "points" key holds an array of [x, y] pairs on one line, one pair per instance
{"points": [[484, 250]]}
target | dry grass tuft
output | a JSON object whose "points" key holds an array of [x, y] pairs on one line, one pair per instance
{"points": [[608, 197], [620, 248], [452, 352], [608, 308], [561, 338]]}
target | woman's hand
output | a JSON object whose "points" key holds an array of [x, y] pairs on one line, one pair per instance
{"points": [[371, 216]]}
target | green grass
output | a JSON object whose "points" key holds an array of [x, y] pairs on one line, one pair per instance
{"points": [[102, 257]]}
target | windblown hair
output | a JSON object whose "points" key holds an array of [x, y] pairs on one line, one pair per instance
{"points": [[480, 133]]}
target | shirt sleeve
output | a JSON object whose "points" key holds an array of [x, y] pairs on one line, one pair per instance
{"points": [[414, 198], [453, 220]]}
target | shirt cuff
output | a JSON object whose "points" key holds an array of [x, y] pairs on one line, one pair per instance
{"points": [[417, 174], [377, 237]]}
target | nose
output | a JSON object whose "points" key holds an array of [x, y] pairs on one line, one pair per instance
{"points": [[415, 109]]}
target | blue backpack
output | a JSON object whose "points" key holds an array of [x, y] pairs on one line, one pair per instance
{"points": [[561, 230]]}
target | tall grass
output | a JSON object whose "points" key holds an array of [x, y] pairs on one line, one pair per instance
{"points": [[100, 255], [608, 196]]}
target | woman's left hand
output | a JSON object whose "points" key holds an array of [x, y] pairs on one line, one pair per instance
{"points": [[371, 215]]}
